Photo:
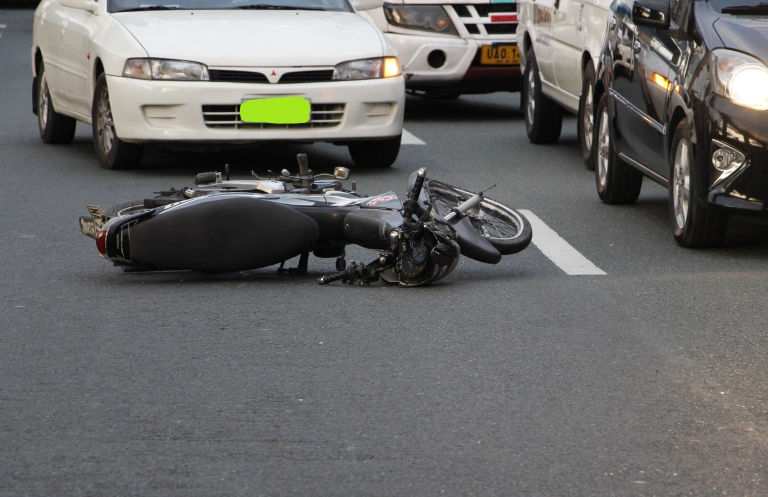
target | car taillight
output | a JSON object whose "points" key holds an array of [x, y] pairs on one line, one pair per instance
{"points": [[101, 243]]}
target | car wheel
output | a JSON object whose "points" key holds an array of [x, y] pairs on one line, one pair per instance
{"points": [[543, 117], [617, 182], [587, 117], [112, 152], [375, 153], [54, 127], [694, 225]]}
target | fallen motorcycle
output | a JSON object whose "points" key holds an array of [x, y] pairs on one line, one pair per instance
{"points": [[225, 225]]}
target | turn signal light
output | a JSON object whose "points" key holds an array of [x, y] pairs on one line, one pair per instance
{"points": [[391, 67], [661, 81]]}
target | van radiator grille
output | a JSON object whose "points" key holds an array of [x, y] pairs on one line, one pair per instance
{"points": [[477, 18]]}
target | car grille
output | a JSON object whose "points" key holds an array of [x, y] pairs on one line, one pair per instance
{"points": [[228, 117], [476, 18], [307, 76], [236, 76], [227, 76]]}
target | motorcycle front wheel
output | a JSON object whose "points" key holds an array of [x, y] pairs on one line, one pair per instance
{"points": [[504, 228]]}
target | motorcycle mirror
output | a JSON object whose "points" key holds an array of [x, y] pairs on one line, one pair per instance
{"points": [[340, 173], [285, 172]]}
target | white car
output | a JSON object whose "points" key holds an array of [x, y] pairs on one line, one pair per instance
{"points": [[178, 72], [561, 45], [450, 47]]}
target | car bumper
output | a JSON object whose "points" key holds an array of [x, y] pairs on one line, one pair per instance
{"points": [[186, 111], [745, 130], [461, 68]]}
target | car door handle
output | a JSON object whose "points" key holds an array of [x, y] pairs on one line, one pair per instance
{"points": [[613, 24], [636, 46]]}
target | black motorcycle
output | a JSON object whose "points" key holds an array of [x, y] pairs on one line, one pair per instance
{"points": [[225, 225]]}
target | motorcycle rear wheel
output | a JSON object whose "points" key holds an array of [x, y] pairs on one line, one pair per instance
{"points": [[504, 228]]}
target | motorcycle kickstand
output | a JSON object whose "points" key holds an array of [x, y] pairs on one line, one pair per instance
{"points": [[301, 269]]}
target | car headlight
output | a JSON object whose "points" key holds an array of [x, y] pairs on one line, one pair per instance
{"points": [[380, 67], [172, 70], [740, 77], [424, 17]]}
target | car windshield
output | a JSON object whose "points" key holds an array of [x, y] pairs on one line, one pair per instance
{"points": [[153, 5], [757, 7]]}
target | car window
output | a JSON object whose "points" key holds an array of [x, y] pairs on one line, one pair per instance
{"points": [[152, 5], [719, 5]]}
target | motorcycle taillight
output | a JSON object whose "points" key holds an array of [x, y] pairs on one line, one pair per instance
{"points": [[101, 243]]}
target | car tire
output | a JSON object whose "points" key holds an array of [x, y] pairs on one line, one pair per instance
{"points": [[375, 153], [617, 182], [543, 117], [586, 118], [694, 226], [54, 127], [112, 152]]}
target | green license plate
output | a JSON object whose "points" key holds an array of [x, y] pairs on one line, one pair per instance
{"points": [[276, 110]]}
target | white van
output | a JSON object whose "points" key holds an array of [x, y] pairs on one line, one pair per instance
{"points": [[451, 47], [560, 45]]}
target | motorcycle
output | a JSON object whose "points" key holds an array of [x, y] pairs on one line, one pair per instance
{"points": [[225, 225]]}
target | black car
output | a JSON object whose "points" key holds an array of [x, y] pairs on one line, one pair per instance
{"points": [[683, 100]]}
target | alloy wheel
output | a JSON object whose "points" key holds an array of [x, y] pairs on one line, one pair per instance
{"points": [[681, 183], [104, 125], [589, 118], [531, 104], [44, 100], [604, 148]]}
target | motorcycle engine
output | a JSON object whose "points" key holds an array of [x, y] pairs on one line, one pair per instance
{"points": [[422, 257]]}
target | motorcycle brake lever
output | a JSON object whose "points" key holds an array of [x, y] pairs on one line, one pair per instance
{"points": [[427, 212]]}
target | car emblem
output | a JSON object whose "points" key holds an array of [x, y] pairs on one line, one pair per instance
{"points": [[274, 73]]}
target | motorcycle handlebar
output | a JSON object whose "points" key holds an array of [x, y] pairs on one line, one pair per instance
{"points": [[303, 164], [462, 209], [418, 185]]}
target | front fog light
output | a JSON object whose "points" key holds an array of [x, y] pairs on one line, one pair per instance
{"points": [[726, 159]]}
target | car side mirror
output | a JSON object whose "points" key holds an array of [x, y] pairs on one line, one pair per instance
{"points": [[651, 14], [87, 5], [360, 5]]}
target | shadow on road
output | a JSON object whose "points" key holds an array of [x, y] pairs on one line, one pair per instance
{"points": [[492, 107]]}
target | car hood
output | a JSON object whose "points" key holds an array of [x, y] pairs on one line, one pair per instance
{"points": [[254, 38], [745, 34]]}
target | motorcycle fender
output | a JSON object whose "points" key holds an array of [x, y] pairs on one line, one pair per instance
{"points": [[222, 234], [473, 245]]}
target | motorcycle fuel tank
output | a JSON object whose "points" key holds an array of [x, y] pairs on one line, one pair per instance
{"points": [[222, 234]]}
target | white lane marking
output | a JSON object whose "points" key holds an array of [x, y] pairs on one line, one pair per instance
{"points": [[558, 250], [2, 26], [409, 139]]}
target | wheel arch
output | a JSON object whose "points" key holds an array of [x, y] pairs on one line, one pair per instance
{"points": [[37, 60], [527, 45], [677, 117], [98, 70]]}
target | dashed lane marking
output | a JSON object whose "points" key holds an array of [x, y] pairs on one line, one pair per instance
{"points": [[558, 250], [409, 139], [2, 26]]}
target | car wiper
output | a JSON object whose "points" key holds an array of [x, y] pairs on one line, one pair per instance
{"points": [[760, 9], [264, 6], [149, 7]]}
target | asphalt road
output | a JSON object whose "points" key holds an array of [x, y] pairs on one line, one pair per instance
{"points": [[513, 379]]}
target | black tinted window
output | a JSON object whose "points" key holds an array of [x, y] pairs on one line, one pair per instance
{"points": [[126, 5], [719, 5]]}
